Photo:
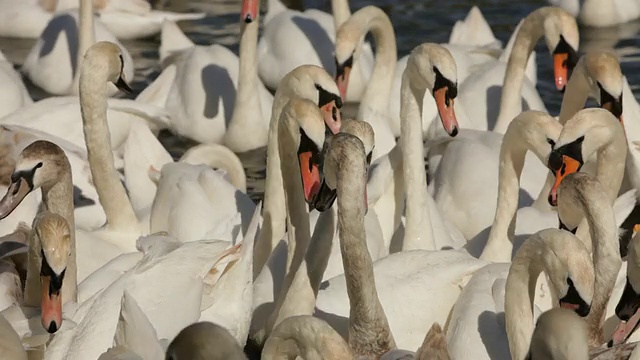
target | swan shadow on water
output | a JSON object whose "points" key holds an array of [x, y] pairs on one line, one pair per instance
{"points": [[64, 24], [491, 327], [214, 78], [322, 44], [494, 93]]}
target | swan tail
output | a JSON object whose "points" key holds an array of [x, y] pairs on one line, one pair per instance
{"points": [[172, 40], [473, 30], [134, 330], [157, 92], [274, 7]]}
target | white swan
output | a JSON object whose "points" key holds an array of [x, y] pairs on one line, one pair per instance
{"points": [[560, 334], [13, 93], [199, 88], [600, 13], [314, 33], [374, 106], [204, 340], [54, 62], [125, 19]]}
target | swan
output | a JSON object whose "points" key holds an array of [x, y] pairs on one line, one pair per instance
{"points": [[566, 262], [10, 344], [314, 33], [300, 127], [594, 72], [307, 82], [125, 19], [13, 93], [54, 62], [483, 292], [204, 340], [598, 13], [387, 185], [199, 88], [560, 334], [375, 100], [561, 34]]}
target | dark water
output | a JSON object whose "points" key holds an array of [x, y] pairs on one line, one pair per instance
{"points": [[415, 22]]}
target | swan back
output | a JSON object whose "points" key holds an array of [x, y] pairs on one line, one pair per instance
{"points": [[204, 341], [560, 334]]}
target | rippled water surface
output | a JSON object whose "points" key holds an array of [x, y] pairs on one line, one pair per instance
{"points": [[415, 22]]}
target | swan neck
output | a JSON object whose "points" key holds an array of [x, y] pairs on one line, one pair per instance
{"points": [[369, 331], [519, 296], [512, 156], [575, 95], [59, 199], [377, 93], [274, 209], [32, 289], [86, 38], [418, 229], [111, 192], [611, 164], [510, 101], [341, 12]]}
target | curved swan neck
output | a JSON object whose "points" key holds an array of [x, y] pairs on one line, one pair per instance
{"points": [[587, 195], [86, 38], [93, 106], [418, 230], [371, 18], [516, 142], [341, 12], [528, 35], [59, 199], [32, 289], [575, 95], [369, 331], [307, 337]]}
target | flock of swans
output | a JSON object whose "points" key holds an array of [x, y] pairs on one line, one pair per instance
{"points": [[509, 245]]}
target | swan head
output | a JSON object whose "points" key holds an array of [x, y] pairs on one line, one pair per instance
{"points": [[570, 274], [303, 127], [40, 164], [250, 9], [629, 303], [605, 79], [363, 131], [432, 67], [560, 334], [204, 340], [562, 39], [314, 83], [105, 56], [581, 136], [346, 149], [54, 236]]}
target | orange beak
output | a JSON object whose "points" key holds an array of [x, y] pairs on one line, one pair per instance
{"points": [[310, 176], [51, 307], [445, 109], [561, 70], [569, 166], [342, 79], [249, 10], [332, 117]]}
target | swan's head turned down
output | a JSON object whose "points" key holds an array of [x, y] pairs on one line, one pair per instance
{"points": [[629, 303], [303, 127], [562, 38], [336, 157], [54, 237], [250, 10], [574, 146], [40, 165], [559, 335], [104, 56], [363, 131], [432, 67], [604, 73], [571, 275], [314, 83], [204, 341]]}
